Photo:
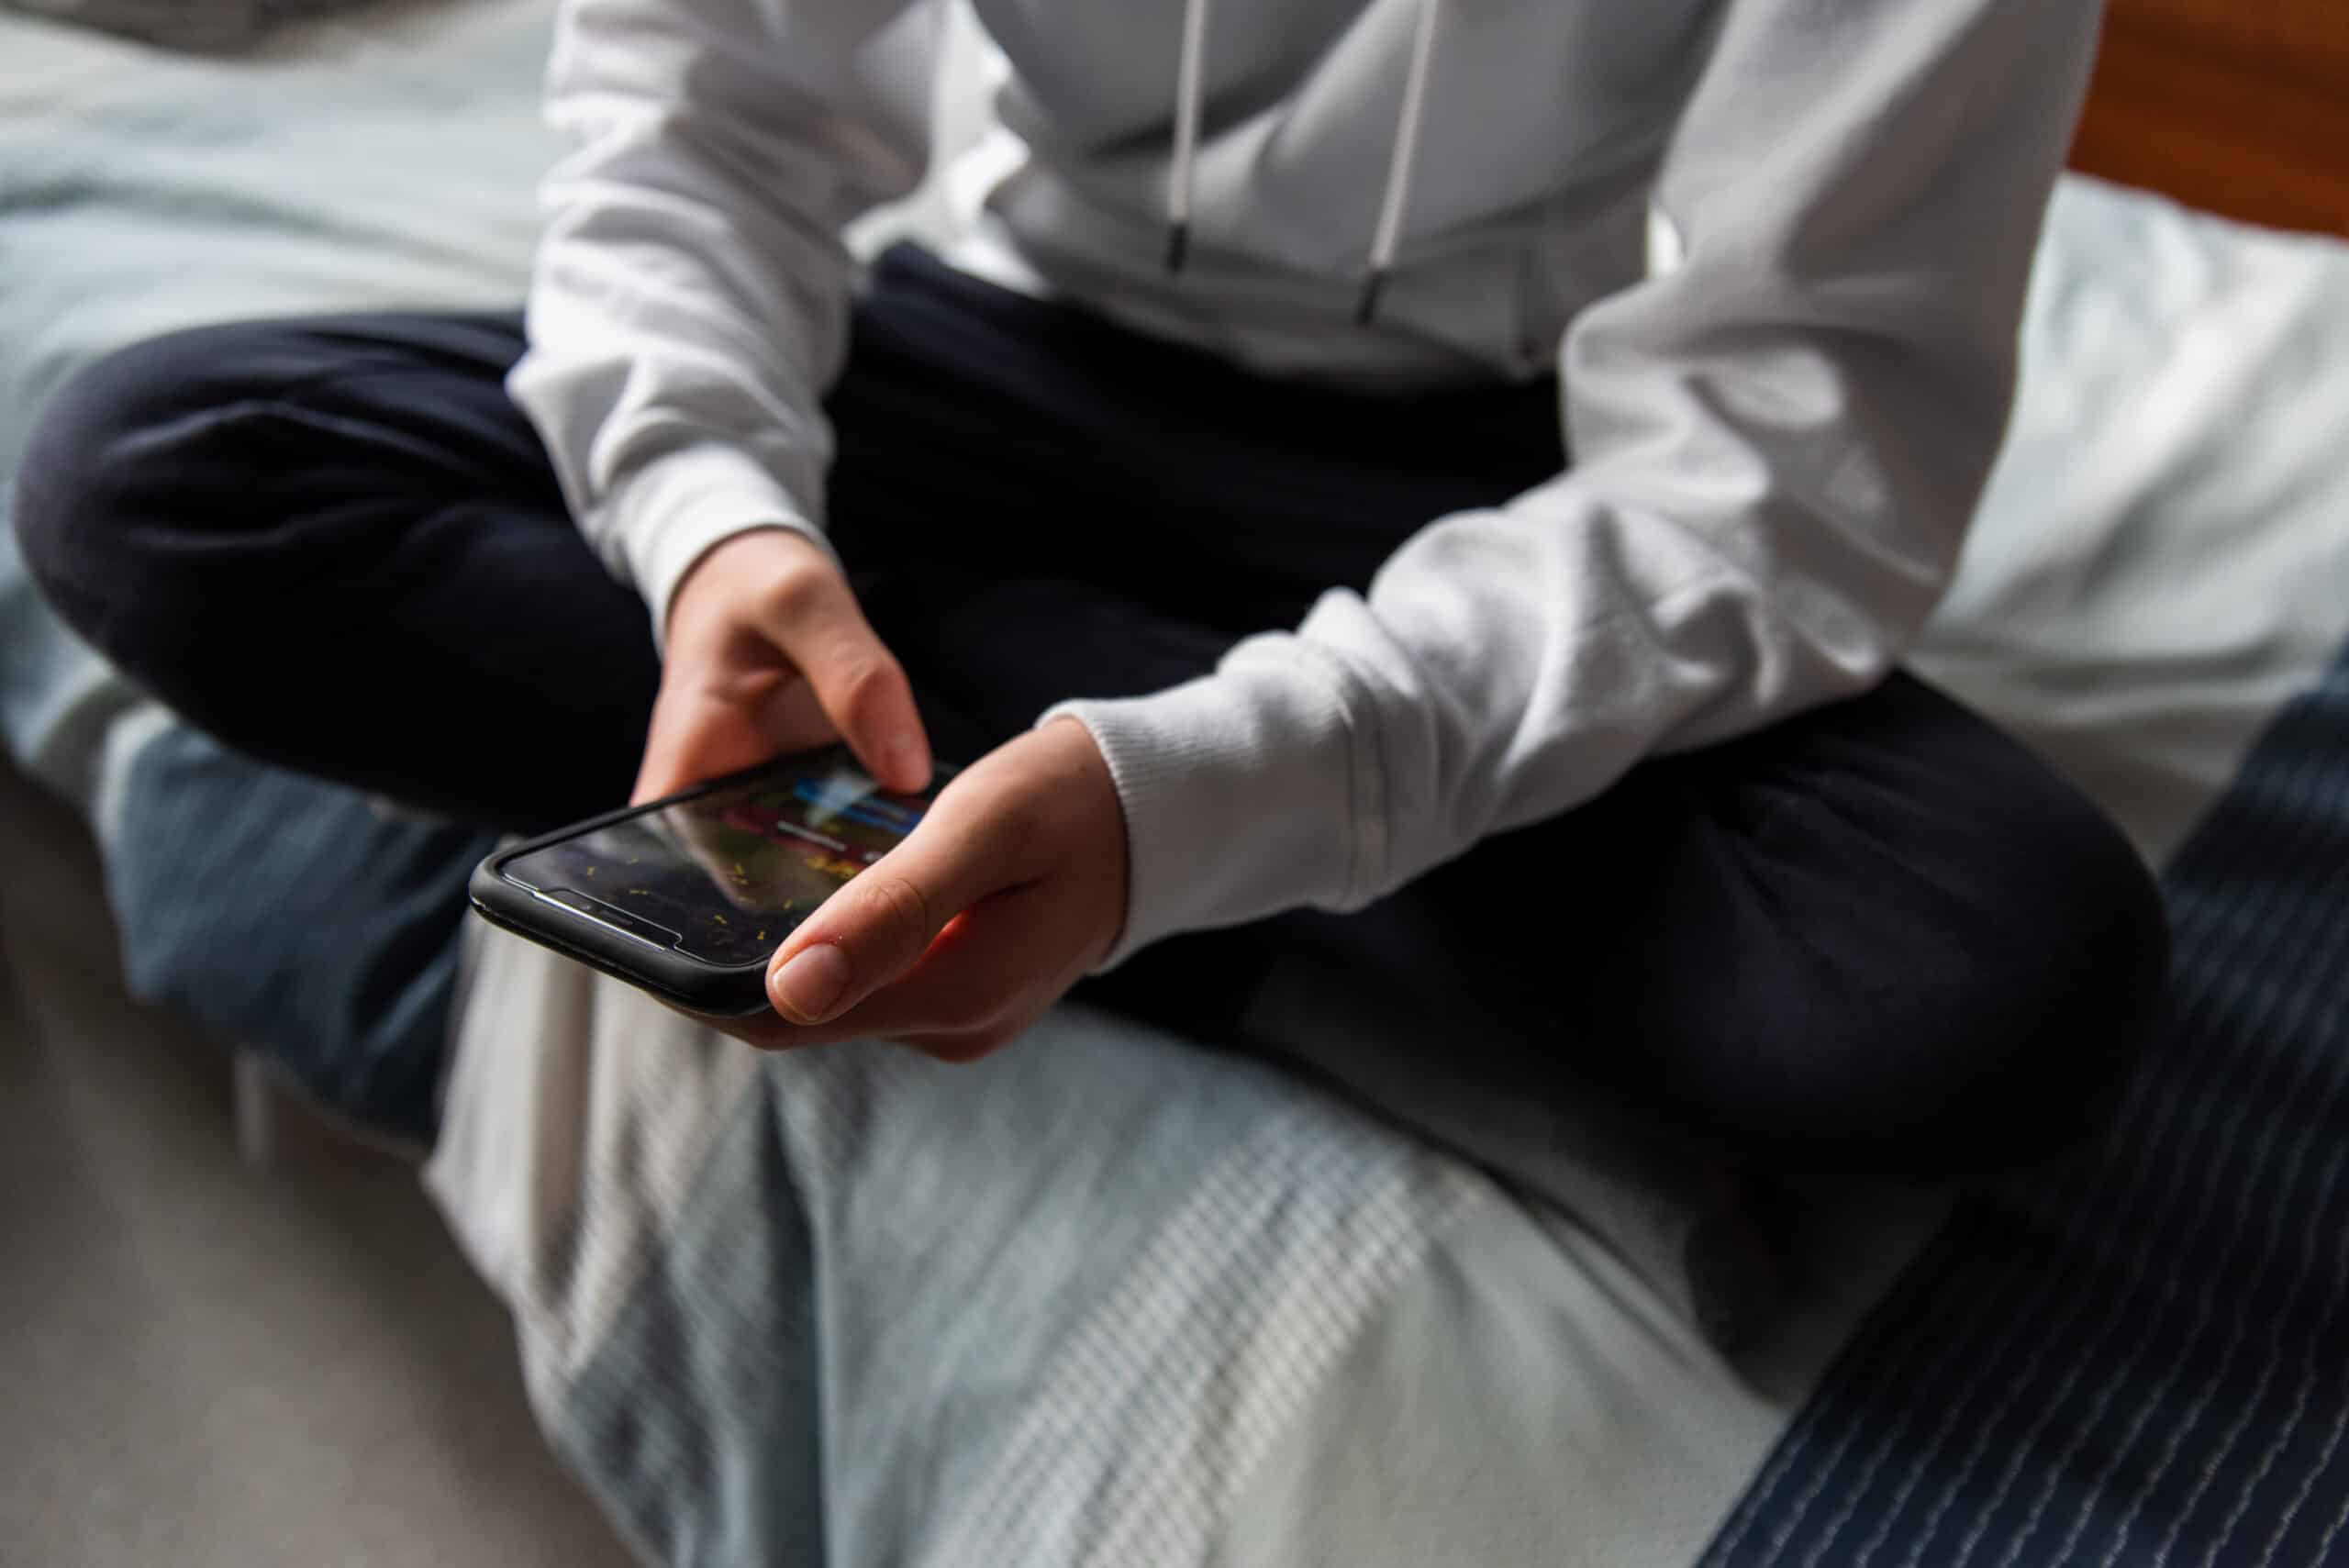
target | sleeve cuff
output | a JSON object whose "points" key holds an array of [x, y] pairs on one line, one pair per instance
{"points": [[673, 513], [1245, 793]]}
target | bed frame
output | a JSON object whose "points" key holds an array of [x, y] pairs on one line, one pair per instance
{"points": [[2237, 107]]}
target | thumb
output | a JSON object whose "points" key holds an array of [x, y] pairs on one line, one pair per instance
{"points": [[881, 922]]}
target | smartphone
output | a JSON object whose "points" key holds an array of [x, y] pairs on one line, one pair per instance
{"points": [[689, 898]]}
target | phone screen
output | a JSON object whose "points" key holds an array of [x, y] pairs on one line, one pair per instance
{"points": [[724, 877]]}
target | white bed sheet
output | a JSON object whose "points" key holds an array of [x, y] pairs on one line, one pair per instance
{"points": [[2161, 557]]}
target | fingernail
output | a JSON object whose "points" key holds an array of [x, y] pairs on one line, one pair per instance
{"points": [[908, 763], [806, 989]]}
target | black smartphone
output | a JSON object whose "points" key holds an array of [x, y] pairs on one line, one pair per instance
{"points": [[688, 897]]}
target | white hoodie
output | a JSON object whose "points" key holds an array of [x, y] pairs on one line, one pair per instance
{"points": [[1778, 444]]}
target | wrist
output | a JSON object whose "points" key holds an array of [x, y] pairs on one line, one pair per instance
{"points": [[1242, 794], [667, 517], [1102, 832], [754, 553]]}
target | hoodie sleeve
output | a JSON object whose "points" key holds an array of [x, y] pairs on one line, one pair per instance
{"points": [[1777, 448], [689, 304]]}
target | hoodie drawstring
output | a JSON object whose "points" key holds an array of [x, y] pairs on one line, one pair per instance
{"points": [[1389, 232], [1190, 88]]}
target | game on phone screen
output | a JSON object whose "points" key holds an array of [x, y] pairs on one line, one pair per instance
{"points": [[729, 872]]}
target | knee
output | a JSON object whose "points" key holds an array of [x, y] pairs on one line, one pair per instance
{"points": [[2061, 1001], [112, 465], [1967, 1024], [73, 480]]}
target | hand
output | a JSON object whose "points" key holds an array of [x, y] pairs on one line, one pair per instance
{"points": [[768, 654], [1012, 887]]}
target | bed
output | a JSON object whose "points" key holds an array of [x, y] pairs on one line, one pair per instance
{"points": [[1116, 1298]]}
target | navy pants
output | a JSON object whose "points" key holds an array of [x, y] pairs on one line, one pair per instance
{"points": [[1880, 934]]}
